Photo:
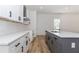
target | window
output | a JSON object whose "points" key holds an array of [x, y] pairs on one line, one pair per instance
{"points": [[56, 24]]}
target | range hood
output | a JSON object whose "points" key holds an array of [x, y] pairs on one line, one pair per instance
{"points": [[25, 18]]}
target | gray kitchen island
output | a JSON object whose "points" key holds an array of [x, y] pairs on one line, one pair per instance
{"points": [[62, 41]]}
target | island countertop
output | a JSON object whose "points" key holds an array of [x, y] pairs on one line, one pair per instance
{"points": [[65, 34]]}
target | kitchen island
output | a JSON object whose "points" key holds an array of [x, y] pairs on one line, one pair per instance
{"points": [[62, 41]]}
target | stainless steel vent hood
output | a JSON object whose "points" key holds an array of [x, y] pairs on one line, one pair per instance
{"points": [[25, 18]]}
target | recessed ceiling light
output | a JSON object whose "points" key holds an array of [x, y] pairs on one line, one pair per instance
{"points": [[66, 8], [41, 7]]}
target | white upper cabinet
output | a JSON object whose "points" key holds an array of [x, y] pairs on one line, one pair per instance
{"points": [[17, 13], [11, 12], [4, 11], [20, 13]]}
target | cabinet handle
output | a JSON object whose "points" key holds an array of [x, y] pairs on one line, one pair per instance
{"points": [[22, 48], [26, 42], [55, 38], [29, 39], [26, 37], [10, 13], [17, 44], [48, 38], [51, 41], [19, 18]]}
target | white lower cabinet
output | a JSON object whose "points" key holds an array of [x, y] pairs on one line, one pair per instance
{"points": [[26, 41], [19, 45], [16, 46]]}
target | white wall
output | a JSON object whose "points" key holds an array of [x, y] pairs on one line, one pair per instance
{"points": [[44, 22], [70, 22], [9, 27]]}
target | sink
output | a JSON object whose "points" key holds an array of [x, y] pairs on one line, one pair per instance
{"points": [[56, 31]]}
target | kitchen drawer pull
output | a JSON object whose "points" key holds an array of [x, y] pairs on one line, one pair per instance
{"points": [[29, 39], [55, 38], [17, 44], [10, 13], [22, 48], [51, 41], [48, 38], [26, 43], [26, 36]]}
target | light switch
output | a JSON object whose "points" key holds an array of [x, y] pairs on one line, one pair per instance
{"points": [[73, 45]]}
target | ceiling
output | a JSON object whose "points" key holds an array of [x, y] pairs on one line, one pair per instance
{"points": [[55, 8]]}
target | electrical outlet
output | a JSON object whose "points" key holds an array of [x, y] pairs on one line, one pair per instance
{"points": [[73, 45]]}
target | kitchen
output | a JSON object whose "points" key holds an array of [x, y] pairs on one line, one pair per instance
{"points": [[21, 24]]}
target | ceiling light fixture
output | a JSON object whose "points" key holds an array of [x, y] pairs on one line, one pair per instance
{"points": [[66, 8], [41, 7]]}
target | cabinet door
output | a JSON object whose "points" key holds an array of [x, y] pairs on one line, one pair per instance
{"points": [[71, 45], [23, 40], [48, 42], [19, 49], [25, 43], [14, 12], [20, 13], [15, 47], [58, 45], [52, 44], [4, 11]]}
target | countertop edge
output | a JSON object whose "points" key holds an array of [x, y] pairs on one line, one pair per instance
{"points": [[61, 36], [6, 44]]}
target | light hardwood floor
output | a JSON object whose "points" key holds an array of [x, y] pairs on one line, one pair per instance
{"points": [[38, 46]]}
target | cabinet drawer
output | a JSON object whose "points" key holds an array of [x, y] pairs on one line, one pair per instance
{"points": [[20, 44], [25, 41], [15, 46]]}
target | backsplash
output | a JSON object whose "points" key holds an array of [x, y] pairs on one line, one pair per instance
{"points": [[10, 27]]}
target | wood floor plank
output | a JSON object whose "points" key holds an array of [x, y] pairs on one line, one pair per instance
{"points": [[38, 46]]}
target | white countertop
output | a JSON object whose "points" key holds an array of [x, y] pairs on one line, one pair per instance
{"points": [[64, 34], [7, 39]]}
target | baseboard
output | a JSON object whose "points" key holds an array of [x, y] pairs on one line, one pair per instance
{"points": [[40, 35], [33, 39]]}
